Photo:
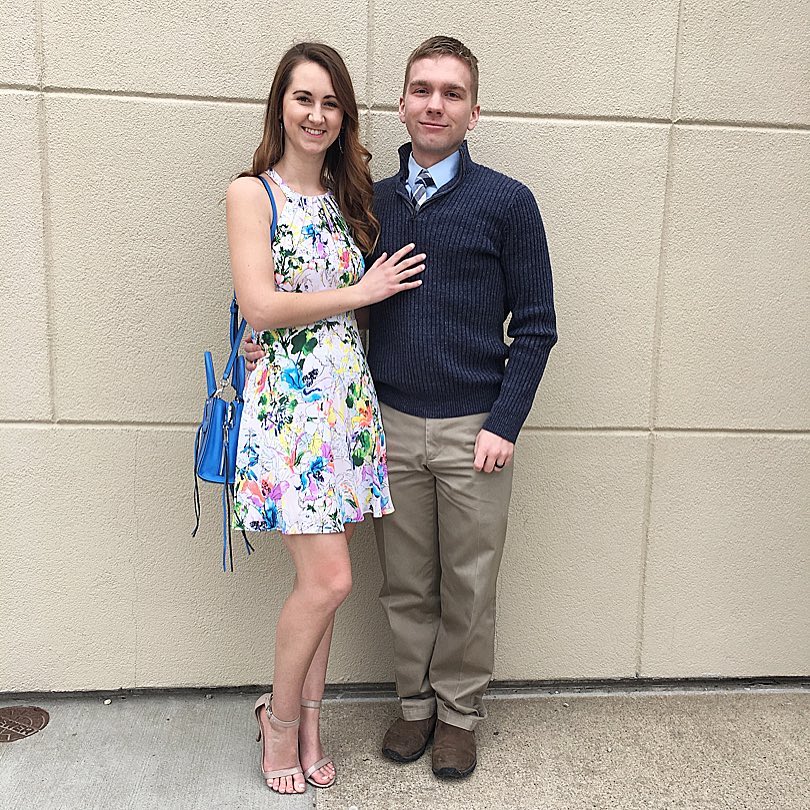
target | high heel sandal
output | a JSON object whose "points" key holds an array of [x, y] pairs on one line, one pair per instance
{"points": [[264, 703], [316, 704]]}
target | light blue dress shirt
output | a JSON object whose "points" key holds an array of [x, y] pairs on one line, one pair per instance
{"points": [[442, 172]]}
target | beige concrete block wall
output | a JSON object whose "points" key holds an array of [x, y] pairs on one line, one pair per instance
{"points": [[660, 524]]}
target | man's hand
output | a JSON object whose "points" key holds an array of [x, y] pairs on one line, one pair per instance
{"points": [[492, 452], [253, 353]]}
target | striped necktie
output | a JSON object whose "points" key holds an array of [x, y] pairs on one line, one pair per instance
{"points": [[420, 187]]}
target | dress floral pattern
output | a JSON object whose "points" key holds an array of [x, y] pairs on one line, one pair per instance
{"points": [[311, 453]]}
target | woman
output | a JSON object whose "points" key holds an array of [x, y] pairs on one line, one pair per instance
{"points": [[311, 458]]}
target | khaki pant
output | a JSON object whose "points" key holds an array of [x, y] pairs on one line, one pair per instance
{"points": [[440, 552]]}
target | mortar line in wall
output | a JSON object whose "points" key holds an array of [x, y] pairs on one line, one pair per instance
{"points": [[183, 427], [759, 126], [552, 118], [693, 123], [20, 88], [664, 431], [47, 240], [141, 95], [134, 95], [67, 424], [731, 432], [629, 430], [70, 424]]}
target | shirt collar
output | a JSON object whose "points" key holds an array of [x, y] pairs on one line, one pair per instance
{"points": [[442, 172]]}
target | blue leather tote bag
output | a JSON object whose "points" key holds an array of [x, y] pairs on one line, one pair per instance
{"points": [[217, 437]]}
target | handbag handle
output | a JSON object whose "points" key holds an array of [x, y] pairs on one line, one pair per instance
{"points": [[237, 333]]}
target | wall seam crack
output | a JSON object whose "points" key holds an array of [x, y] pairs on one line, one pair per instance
{"points": [[133, 552], [47, 230], [655, 361]]}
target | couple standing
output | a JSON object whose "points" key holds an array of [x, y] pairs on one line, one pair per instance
{"points": [[313, 454]]}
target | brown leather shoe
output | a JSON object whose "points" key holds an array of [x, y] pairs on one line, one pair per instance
{"points": [[453, 751], [406, 740]]}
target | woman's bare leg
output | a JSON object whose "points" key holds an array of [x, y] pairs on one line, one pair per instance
{"points": [[309, 738], [322, 582]]}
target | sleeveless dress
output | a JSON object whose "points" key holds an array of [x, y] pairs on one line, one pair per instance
{"points": [[311, 453]]}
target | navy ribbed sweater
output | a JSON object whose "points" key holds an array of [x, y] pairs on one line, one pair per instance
{"points": [[438, 350]]}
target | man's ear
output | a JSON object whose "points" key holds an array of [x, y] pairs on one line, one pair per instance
{"points": [[474, 116], [402, 109]]}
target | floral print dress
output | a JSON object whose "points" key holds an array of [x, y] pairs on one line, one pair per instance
{"points": [[311, 454]]}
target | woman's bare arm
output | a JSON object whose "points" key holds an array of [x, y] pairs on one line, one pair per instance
{"points": [[263, 306]]}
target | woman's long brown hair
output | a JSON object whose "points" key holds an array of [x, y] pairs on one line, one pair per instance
{"points": [[344, 173]]}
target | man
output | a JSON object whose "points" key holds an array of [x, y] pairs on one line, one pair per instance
{"points": [[451, 410], [452, 406]]}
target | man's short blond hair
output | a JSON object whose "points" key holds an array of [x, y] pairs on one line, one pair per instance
{"points": [[445, 46]]}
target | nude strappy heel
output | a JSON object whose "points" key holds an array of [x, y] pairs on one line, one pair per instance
{"points": [[316, 704], [264, 703]]}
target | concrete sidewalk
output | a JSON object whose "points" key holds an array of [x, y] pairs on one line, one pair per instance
{"points": [[741, 750]]}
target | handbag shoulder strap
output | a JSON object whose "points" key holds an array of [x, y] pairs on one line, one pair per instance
{"points": [[236, 334], [234, 351], [273, 203]]}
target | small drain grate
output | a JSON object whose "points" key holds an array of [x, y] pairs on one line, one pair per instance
{"points": [[18, 722]]}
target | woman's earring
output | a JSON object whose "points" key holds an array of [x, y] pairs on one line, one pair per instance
{"points": [[340, 141]]}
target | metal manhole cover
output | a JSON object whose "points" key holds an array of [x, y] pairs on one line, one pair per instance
{"points": [[18, 722]]}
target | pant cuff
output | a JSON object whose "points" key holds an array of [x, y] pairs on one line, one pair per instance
{"points": [[453, 718], [418, 708]]}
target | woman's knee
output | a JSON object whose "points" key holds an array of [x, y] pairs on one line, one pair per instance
{"points": [[342, 586], [330, 589]]}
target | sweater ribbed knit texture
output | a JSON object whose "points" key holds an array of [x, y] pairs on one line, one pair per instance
{"points": [[438, 350]]}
